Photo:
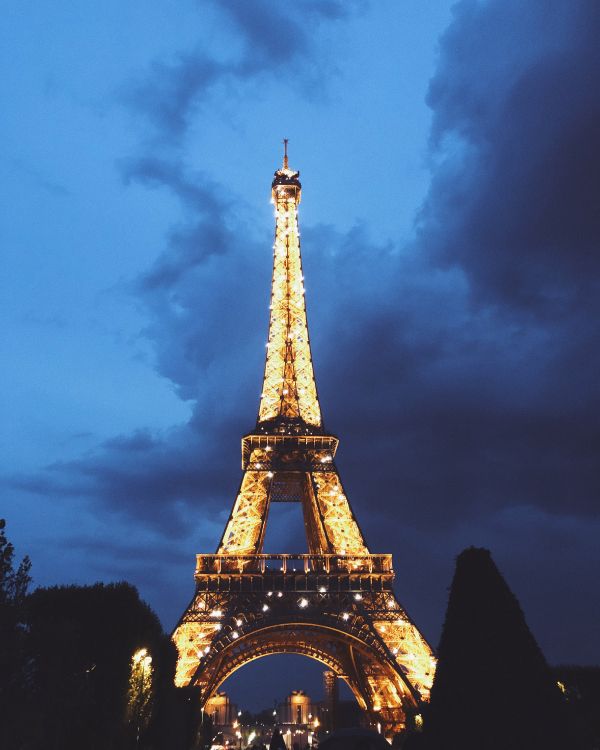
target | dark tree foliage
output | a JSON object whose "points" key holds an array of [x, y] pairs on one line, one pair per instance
{"points": [[13, 663], [66, 669], [246, 718], [265, 716], [81, 641], [349, 714], [177, 722], [493, 689], [277, 741]]}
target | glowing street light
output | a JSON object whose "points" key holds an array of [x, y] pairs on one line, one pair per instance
{"points": [[140, 685], [142, 653]]}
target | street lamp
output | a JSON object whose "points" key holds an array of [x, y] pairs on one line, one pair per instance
{"points": [[139, 655], [143, 658]]}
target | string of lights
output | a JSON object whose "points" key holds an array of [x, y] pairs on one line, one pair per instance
{"points": [[335, 604]]}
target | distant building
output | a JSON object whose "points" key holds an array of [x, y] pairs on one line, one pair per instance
{"points": [[224, 716], [332, 696], [221, 710], [298, 719], [297, 709]]}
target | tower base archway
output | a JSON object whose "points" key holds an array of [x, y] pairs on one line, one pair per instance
{"points": [[347, 618]]}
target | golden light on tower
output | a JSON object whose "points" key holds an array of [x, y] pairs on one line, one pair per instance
{"points": [[289, 388], [335, 604]]}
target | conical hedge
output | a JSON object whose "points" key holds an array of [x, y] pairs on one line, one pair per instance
{"points": [[493, 688]]}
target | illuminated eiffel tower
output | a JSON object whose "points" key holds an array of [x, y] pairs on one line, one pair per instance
{"points": [[335, 604]]}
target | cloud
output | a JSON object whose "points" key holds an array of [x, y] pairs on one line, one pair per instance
{"points": [[483, 388], [205, 296], [460, 371], [200, 295], [170, 93], [266, 41], [515, 200], [494, 404], [545, 558], [162, 481], [204, 230], [462, 410]]}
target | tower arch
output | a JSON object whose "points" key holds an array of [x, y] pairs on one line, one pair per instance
{"points": [[335, 604], [348, 653]]}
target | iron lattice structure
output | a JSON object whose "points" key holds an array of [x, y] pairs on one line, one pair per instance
{"points": [[335, 604]]}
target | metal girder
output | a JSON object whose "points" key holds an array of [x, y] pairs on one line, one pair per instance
{"points": [[330, 523], [335, 604], [245, 529], [341, 529], [336, 629], [289, 389]]}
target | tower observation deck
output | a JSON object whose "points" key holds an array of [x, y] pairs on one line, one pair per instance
{"points": [[335, 604]]}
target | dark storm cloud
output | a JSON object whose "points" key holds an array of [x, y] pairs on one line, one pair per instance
{"points": [[516, 204], [173, 89], [274, 39], [158, 480], [461, 372], [201, 295], [201, 292], [505, 409], [463, 408], [472, 387], [203, 231]]}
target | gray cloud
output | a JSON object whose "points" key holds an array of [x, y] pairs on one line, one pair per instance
{"points": [[461, 372], [515, 201], [203, 231], [274, 40]]}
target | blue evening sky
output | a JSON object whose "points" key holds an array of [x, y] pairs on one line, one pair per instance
{"points": [[451, 282]]}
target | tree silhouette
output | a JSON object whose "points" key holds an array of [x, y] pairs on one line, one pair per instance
{"points": [[493, 688], [277, 741], [81, 641], [13, 672], [68, 671]]}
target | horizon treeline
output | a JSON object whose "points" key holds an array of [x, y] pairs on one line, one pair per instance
{"points": [[87, 666], [90, 666]]}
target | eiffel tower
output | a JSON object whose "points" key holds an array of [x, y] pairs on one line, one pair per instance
{"points": [[335, 604]]}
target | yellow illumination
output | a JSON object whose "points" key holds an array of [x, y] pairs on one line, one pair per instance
{"points": [[289, 388], [139, 655], [289, 457]]}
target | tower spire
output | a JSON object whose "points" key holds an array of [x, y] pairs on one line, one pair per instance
{"points": [[289, 402]]}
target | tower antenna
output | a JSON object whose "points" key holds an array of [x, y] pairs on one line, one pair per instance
{"points": [[285, 156]]}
